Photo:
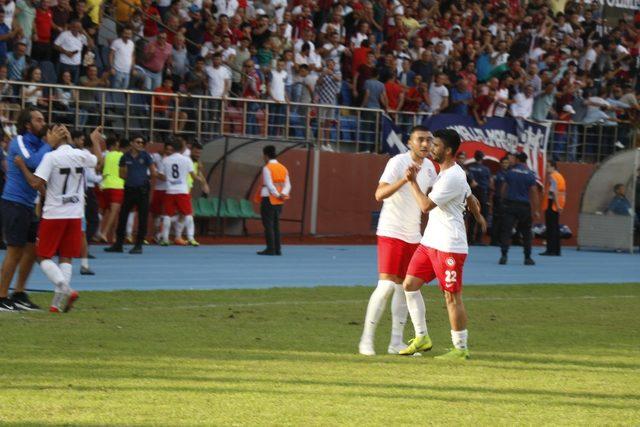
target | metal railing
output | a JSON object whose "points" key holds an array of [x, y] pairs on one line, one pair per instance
{"points": [[159, 115], [333, 127]]}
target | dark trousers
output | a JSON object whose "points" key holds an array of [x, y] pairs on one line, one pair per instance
{"points": [[475, 231], [519, 214], [496, 222], [138, 197], [552, 220], [91, 213], [271, 221]]}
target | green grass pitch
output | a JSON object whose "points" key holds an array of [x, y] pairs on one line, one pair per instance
{"points": [[561, 355]]}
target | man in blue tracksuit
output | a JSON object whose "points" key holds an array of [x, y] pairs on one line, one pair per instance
{"points": [[19, 221]]}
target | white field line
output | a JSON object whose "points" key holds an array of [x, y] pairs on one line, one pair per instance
{"points": [[338, 302]]}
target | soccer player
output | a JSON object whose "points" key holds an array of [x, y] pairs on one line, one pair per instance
{"points": [[443, 248], [398, 236], [62, 173], [177, 200], [157, 197], [195, 152], [112, 187], [19, 221]]}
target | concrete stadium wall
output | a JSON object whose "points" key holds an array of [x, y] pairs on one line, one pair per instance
{"points": [[347, 185]]}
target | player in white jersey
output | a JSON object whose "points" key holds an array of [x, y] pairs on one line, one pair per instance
{"points": [[443, 248], [157, 198], [398, 236], [62, 173], [177, 200]]}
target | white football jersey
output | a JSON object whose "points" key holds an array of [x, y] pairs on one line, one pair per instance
{"points": [[176, 168], [400, 216], [445, 230], [64, 171], [157, 161]]}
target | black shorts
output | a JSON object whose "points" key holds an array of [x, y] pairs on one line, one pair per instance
{"points": [[19, 223]]}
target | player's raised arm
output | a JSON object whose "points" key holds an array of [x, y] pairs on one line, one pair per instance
{"points": [[473, 204], [425, 203], [34, 181], [385, 189], [97, 139]]}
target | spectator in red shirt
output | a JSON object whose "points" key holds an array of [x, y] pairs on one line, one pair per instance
{"points": [[43, 26], [416, 95], [157, 55], [482, 103], [164, 106], [152, 15], [395, 94]]}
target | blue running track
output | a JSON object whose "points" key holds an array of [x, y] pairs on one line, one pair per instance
{"points": [[237, 267]]}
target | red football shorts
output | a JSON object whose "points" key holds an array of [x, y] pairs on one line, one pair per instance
{"points": [[62, 237], [428, 264], [394, 255], [111, 195], [157, 202], [100, 198], [177, 203]]}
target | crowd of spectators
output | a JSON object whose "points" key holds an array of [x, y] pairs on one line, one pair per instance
{"points": [[530, 60]]}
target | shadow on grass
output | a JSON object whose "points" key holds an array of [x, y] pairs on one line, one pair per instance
{"points": [[456, 396]]}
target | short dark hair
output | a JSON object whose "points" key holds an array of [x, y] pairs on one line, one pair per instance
{"points": [[176, 145], [418, 128], [196, 145], [522, 157], [111, 141], [450, 138], [24, 118], [269, 151], [138, 136], [478, 155], [552, 163], [124, 143], [615, 187], [75, 134]]}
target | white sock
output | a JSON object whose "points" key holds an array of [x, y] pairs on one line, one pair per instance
{"points": [[166, 226], [130, 219], [191, 228], [459, 339], [53, 273], [418, 312], [399, 313], [157, 224], [67, 271], [375, 308], [179, 227], [84, 262]]}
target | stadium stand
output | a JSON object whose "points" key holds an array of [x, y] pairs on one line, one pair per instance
{"points": [[461, 56]]}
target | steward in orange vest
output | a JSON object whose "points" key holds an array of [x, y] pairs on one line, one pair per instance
{"points": [[273, 192], [555, 194]]}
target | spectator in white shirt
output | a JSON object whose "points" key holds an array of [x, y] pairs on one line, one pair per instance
{"points": [[522, 106], [70, 44], [333, 49], [122, 59], [226, 7], [219, 85], [277, 93], [439, 94]]}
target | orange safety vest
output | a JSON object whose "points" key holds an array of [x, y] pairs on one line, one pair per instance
{"points": [[560, 196], [278, 176]]}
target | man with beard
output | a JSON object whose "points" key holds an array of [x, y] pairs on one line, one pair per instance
{"points": [[398, 237], [19, 221]]}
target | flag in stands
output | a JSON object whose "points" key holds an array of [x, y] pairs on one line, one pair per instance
{"points": [[391, 137]]}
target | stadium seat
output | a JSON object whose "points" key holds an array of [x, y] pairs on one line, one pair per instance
{"points": [[214, 205], [232, 207], [246, 207], [199, 208]]}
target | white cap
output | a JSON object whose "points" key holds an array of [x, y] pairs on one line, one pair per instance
{"points": [[568, 109], [260, 12]]}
